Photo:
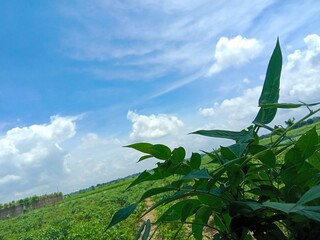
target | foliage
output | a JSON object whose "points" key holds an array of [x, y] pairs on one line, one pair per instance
{"points": [[81, 216], [29, 201], [252, 188]]}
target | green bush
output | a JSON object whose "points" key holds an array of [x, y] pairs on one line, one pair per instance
{"points": [[252, 188]]}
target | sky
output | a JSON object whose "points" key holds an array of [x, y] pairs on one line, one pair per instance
{"points": [[81, 79]]}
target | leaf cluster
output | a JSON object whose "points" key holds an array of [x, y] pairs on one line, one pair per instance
{"points": [[250, 188]]}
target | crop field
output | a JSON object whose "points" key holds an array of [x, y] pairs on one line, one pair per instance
{"points": [[87, 215]]}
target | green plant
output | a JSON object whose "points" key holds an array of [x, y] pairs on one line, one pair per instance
{"points": [[249, 189]]}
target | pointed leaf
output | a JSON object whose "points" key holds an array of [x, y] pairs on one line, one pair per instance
{"points": [[271, 88], [267, 157], [140, 230], [238, 149], [309, 214], [178, 155], [200, 174], [284, 207], [122, 214], [147, 230], [307, 142], [142, 147], [287, 105], [201, 218], [160, 151], [312, 194], [180, 210], [155, 191], [144, 176], [221, 134], [144, 157], [195, 161]]}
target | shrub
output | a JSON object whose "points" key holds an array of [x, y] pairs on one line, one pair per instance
{"points": [[249, 189]]}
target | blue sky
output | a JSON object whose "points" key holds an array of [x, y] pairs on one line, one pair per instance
{"points": [[81, 79]]}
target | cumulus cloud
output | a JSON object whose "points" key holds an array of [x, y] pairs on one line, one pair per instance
{"points": [[301, 74], [208, 112], [234, 52], [153, 126], [235, 113], [98, 159], [31, 158], [300, 81]]}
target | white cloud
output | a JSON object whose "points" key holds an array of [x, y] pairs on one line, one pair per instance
{"points": [[153, 126], [300, 81], [235, 113], [301, 73], [234, 52], [32, 157], [153, 37], [206, 112], [99, 159], [246, 80]]}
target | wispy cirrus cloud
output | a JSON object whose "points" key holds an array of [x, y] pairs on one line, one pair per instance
{"points": [[149, 34]]}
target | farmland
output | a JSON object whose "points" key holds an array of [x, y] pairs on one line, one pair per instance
{"points": [[86, 215]]}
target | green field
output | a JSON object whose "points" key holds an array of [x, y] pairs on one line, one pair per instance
{"points": [[86, 215]]}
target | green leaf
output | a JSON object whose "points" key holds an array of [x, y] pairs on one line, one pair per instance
{"points": [[160, 151], [312, 194], [281, 105], [147, 230], [211, 200], [309, 214], [122, 214], [244, 208], [155, 191], [178, 155], [200, 174], [314, 160], [144, 157], [307, 142], [146, 226], [195, 161], [284, 207], [221, 134], [271, 88], [266, 156], [144, 176], [287, 105], [238, 149], [177, 195], [201, 218], [142, 147], [235, 176], [180, 211], [227, 153]]}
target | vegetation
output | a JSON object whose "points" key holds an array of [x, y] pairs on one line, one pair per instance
{"points": [[251, 189], [81, 216], [29, 201], [263, 187]]}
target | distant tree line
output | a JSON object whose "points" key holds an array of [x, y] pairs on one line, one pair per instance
{"points": [[99, 185], [290, 122], [29, 201]]}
